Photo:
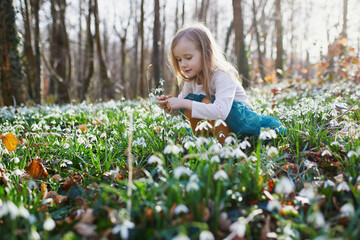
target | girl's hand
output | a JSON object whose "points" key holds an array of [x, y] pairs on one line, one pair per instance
{"points": [[162, 101], [174, 103]]}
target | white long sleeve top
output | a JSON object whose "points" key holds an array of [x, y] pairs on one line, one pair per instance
{"points": [[225, 89]]}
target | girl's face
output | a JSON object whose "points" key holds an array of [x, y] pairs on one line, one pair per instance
{"points": [[188, 57]]}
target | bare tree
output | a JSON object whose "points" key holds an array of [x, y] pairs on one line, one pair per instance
{"points": [[203, 10], [12, 81], [142, 52], [29, 57], [242, 61], [258, 43], [279, 41], [106, 85], [35, 7], [60, 51], [88, 67], [156, 42]]}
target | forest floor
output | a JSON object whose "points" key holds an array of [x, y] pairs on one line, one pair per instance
{"points": [[66, 171]]}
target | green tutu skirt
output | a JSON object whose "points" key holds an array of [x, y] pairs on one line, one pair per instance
{"points": [[243, 121]]}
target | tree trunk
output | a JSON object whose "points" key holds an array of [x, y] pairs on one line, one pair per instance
{"points": [[30, 67], [258, 43], [203, 10], [279, 41], [106, 85], [35, 7], [60, 51], [242, 61], [156, 47], [142, 50], [79, 58], [89, 52], [12, 81]]}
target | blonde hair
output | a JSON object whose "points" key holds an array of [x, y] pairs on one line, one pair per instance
{"points": [[212, 56]]}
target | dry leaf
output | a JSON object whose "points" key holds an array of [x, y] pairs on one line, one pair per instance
{"points": [[85, 230], [43, 189], [37, 170], [10, 141], [60, 199], [82, 127]]}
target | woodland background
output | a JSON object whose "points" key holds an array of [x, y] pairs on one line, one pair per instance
{"points": [[58, 51]]}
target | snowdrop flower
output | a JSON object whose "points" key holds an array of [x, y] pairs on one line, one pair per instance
{"points": [[307, 192], [284, 186], [192, 186], [18, 172], [189, 144], [308, 164], [139, 142], [123, 229], [273, 205], [238, 228], [155, 159], [12, 209], [329, 183], [343, 186], [34, 234], [221, 174], [215, 159], [201, 140], [352, 154], [49, 224], [273, 151], [220, 122], [179, 171], [244, 144], [326, 152], [206, 235], [265, 135], [194, 178], [216, 148], [347, 210], [174, 149], [237, 153], [205, 125], [230, 140], [181, 236], [16, 160], [181, 209], [316, 218], [24, 212]]}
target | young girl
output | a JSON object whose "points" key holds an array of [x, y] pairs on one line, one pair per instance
{"points": [[201, 68]]}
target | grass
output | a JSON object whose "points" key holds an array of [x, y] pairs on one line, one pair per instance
{"points": [[302, 185]]}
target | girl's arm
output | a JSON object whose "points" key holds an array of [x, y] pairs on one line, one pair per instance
{"points": [[224, 88]]}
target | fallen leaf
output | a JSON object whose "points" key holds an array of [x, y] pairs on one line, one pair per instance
{"points": [[82, 127], [43, 189], [10, 141], [61, 199], [37, 170], [85, 230]]}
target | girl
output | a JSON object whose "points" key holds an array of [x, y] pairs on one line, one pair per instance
{"points": [[201, 68]]}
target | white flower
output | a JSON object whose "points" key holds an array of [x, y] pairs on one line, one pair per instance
{"points": [[343, 186], [307, 192], [352, 154], [230, 140], [238, 228], [174, 149], [12, 210], [206, 235], [221, 174], [214, 159], [16, 160], [237, 153], [179, 171], [205, 125], [18, 172], [49, 224], [181, 236], [192, 186], [316, 218], [265, 135], [273, 205], [194, 178], [244, 144], [187, 145], [34, 234], [273, 151], [308, 164], [284, 186], [24, 212], [155, 159], [329, 183], [326, 152], [123, 229], [181, 209], [347, 210]]}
